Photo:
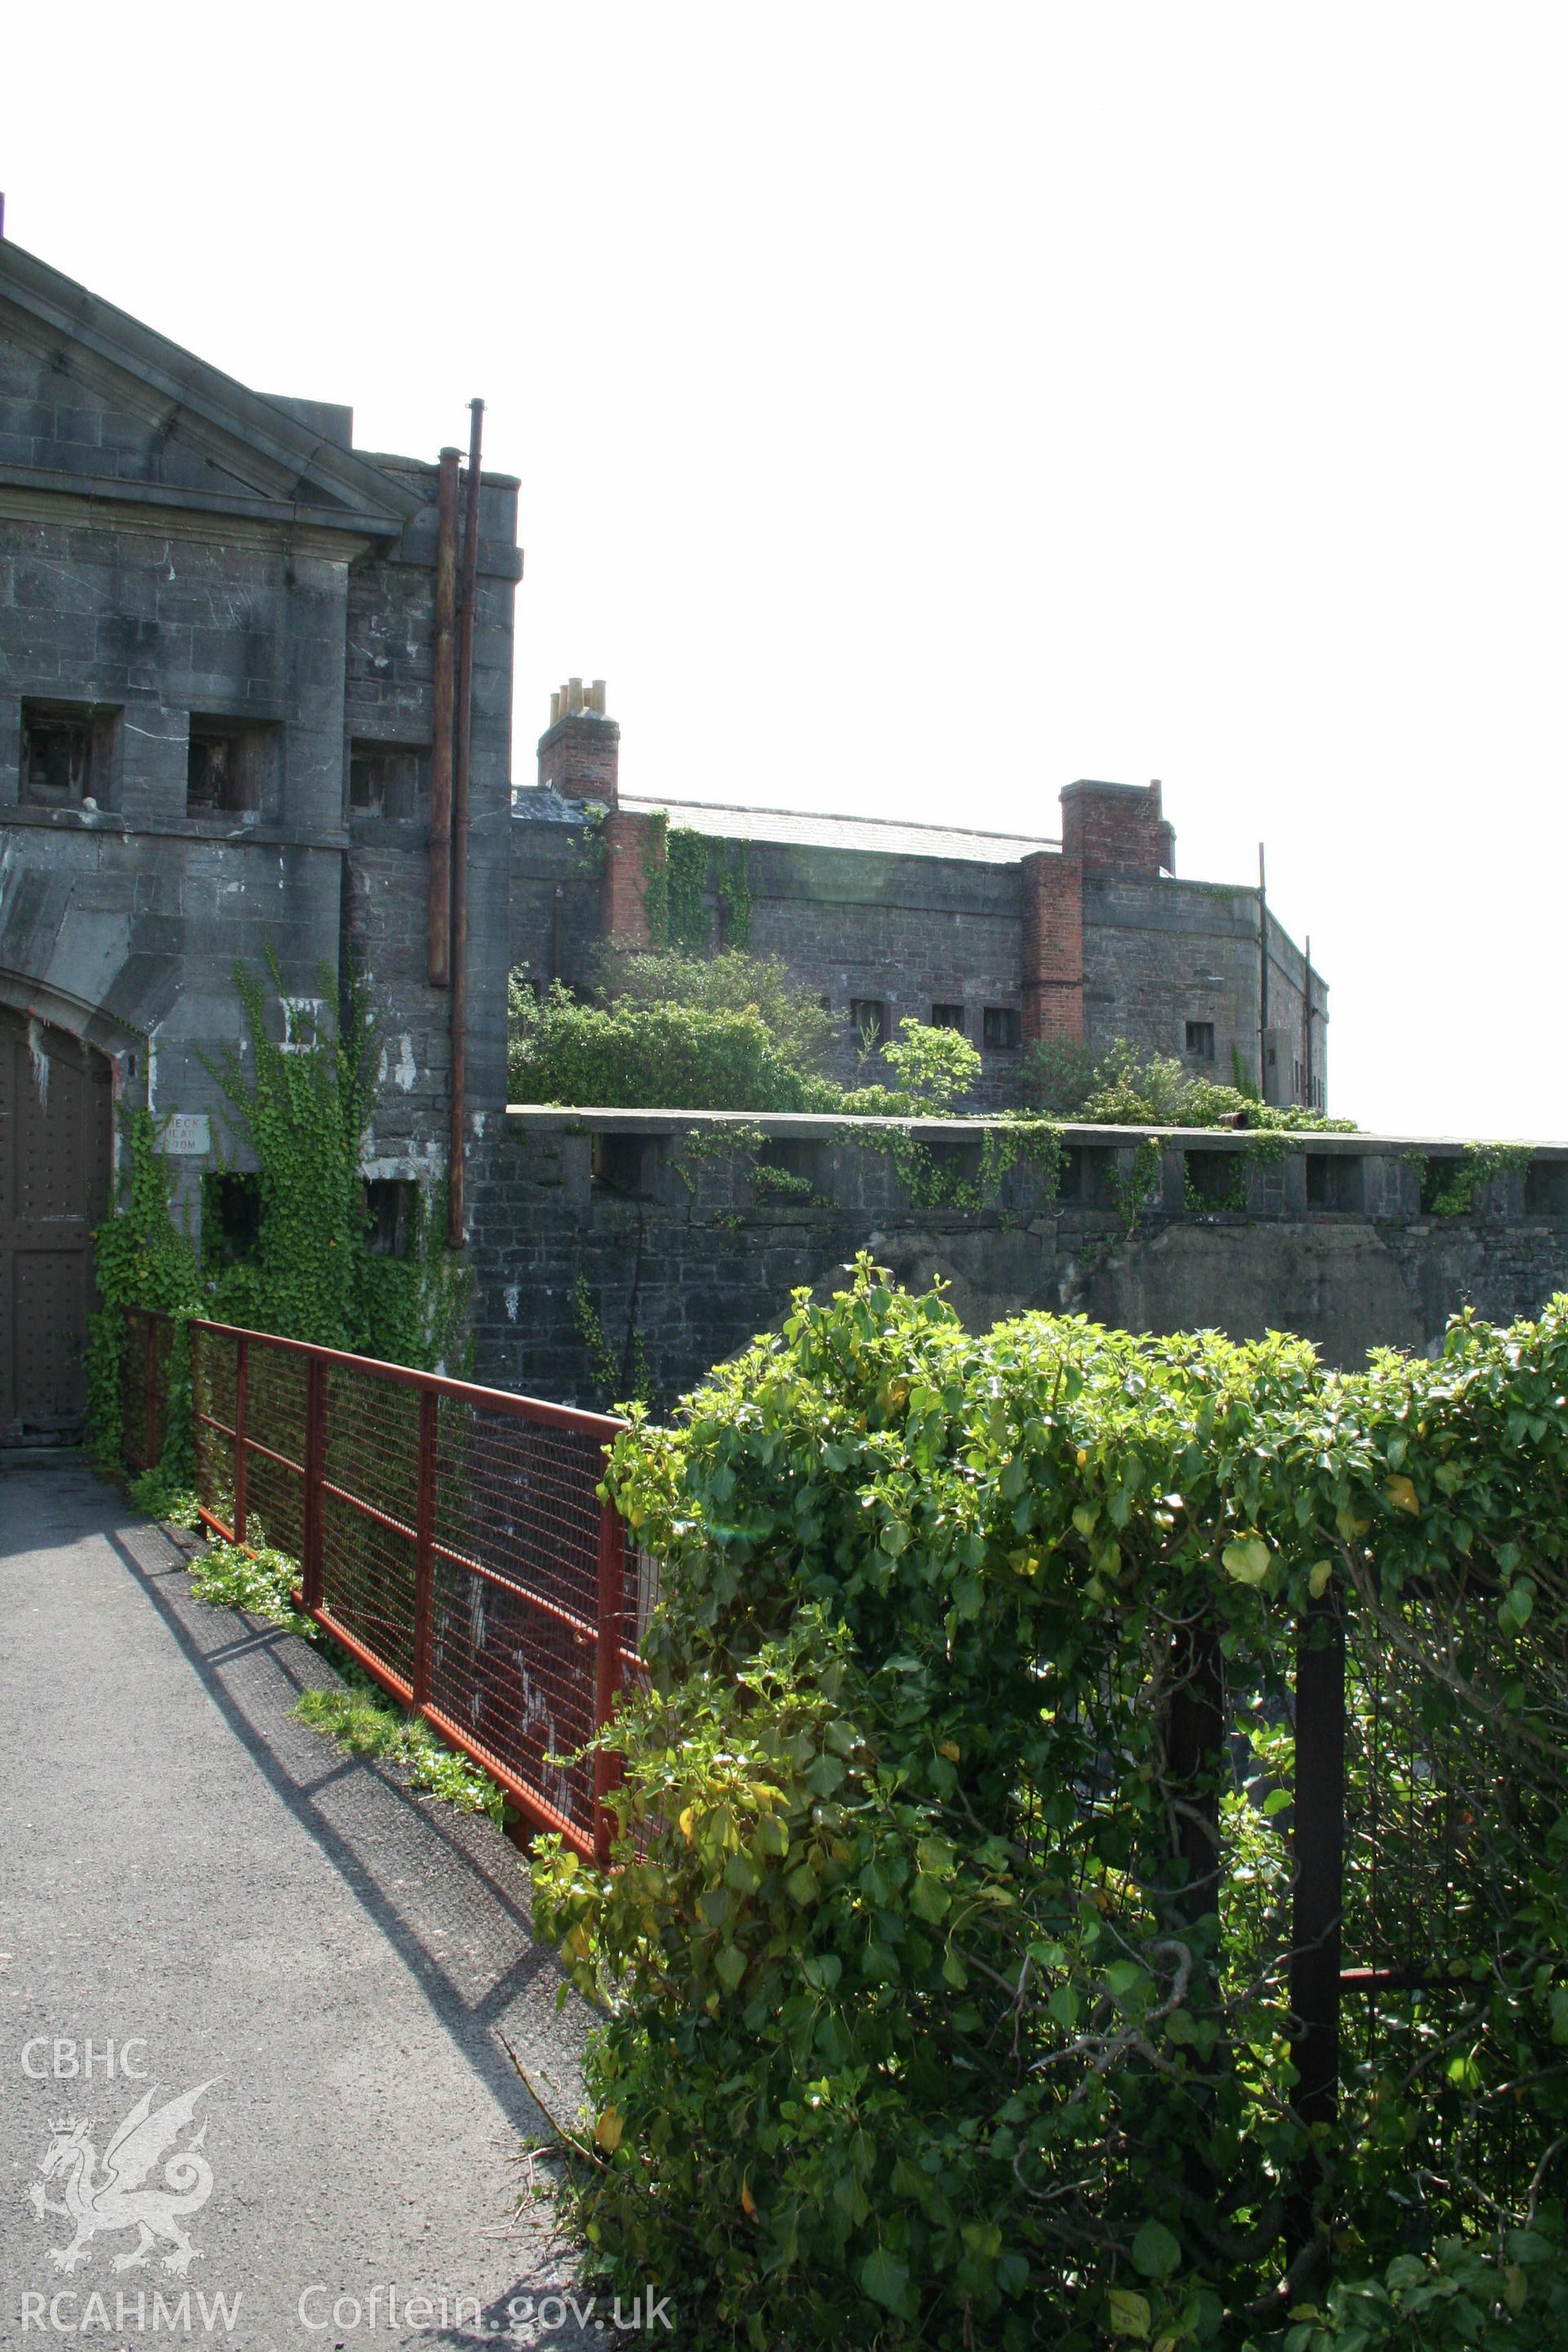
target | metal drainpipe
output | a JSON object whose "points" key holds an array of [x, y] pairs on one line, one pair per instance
{"points": [[440, 963], [460, 835], [1307, 988], [1262, 981]]}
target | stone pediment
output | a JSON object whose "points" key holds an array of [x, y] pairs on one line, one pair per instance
{"points": [[93, 401]]}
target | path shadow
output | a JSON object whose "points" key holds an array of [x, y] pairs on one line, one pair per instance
{"points": [[380, 1840]]}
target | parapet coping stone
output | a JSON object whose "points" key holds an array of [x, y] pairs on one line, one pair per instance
{"points": [[828, 1126]]}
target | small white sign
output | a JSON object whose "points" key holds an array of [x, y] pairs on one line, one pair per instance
{"points": [[189, 1134]]}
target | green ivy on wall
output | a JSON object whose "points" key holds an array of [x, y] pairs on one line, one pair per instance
{"points": [[735, 893], [304, 1106], [675, 882], [686, 869]]}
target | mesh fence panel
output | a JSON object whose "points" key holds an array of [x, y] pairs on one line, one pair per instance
{"points": [[275, 1426], [515, 1638], [213, 1360], [511, 1665], [371, 1462], [1426, 1876]]}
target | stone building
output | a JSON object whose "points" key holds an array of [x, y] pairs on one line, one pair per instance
{"points": [[1088, 935], [216, 717], [221, 664]]}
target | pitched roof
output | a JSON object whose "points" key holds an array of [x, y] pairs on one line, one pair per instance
{"points": [[275, 452], [798, 828]]}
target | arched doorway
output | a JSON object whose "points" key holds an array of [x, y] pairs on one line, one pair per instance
{"points": [[56, 1142]]}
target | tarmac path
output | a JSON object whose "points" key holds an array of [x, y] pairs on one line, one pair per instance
{"points": [[186, 1871]]}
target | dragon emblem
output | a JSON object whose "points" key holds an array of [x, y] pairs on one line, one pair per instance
{"points": [[115, 2198]]}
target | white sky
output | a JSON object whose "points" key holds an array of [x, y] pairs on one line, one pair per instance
{"points": [[918, 408]]}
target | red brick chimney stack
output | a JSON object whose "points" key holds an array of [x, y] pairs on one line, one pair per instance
{"points": [[1106, 829], [580, 750], [1117, 829]]}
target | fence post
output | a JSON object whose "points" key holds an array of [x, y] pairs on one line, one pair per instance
{"points": [[607, 1674], [1320, 1849], [312, 1583], [241, 1382], [424, 1547], [150, 1439]]}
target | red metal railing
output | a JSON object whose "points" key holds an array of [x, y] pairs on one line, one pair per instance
{"points": [[144, 1386], [448, 1537]]}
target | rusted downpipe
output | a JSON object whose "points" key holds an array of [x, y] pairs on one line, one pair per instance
{"points": [[463, 731], [440, 964]]}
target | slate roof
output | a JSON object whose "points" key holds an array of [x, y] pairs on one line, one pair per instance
{"points": [[890, 837]]}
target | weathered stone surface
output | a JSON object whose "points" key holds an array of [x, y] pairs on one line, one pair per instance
{"points": [[179, 552], [686, 1249]]}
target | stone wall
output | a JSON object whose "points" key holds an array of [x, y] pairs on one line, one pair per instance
{"points": [[182, 559], [660, 1225], [1060, 948], [389, 707]]}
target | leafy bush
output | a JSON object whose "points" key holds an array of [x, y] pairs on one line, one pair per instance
{"points": [[1509, 2296], [1117, 1088], [932, 1067], [729, 983], [660, 1054], [932, 2016], [1160, 1092], [635, 1055]]}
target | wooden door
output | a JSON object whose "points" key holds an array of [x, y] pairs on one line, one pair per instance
{"points": [[57, 1127]]}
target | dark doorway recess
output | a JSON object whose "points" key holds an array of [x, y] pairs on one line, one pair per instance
{"points": [[55, 1147]]}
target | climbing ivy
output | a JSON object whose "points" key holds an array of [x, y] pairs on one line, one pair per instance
{"points": [[675, 880], [686, 871], [1138, 1186], [144, 1258], [304, 1106], [935, 1176], [1452, 1187], [627, 1377], [735, 895]]}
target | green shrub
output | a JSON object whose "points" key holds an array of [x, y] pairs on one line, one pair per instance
{"points": [[793, 1014], [665, 1055], [924, 2026], [634, 1055], [1159, 1092], [361, 1720], [1120, 1089]]}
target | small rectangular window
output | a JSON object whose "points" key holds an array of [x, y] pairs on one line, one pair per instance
{"points": [[947, 1016], [304, 1022], [1335, 1181], [1001, 1028], [790, 1171], [1216, 1180], [230, 768], [1200, 1041], [1546, 1188], [390, 779], [231, 1218], [868, 1019], [631, 1165], [390, 1214], [67, 754]]}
